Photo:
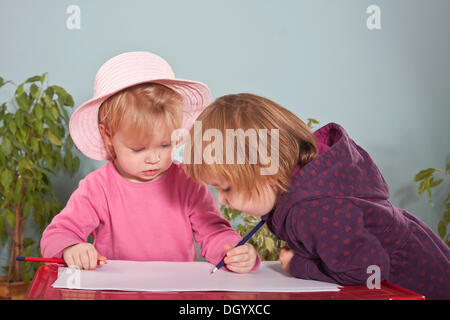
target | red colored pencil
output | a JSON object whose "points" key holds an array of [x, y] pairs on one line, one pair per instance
{"points": [[49, 260]]}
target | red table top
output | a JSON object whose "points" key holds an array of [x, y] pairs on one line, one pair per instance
{"points": [[41, 289]]}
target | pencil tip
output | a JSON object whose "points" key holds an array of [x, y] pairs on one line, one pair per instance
{"points": [[214, 270]]}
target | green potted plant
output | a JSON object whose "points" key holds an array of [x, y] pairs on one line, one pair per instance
{"points": [[434, 178], [34, 145]]}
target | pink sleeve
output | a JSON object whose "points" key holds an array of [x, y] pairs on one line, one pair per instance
{"points": [[74, 223], [211, 230]]}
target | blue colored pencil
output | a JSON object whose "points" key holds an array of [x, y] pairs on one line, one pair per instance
{"points": [[246, 238]]}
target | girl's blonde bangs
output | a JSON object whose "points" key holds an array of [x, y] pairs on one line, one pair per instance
{"points": [[142, 110]]}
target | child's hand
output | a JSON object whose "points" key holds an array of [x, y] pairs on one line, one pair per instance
{"points": [[241, 259], [286, 255], [83, 255]]}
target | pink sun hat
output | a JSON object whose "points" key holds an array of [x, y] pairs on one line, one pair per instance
{"points": [[123, 71]]}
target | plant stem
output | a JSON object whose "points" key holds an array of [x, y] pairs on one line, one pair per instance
{"points": [[14, 271]]}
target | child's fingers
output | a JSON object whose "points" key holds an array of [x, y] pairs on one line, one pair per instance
{"points": [[84, 258], [237, 259], [241, 264], [238, 269], [238, 250], [92, 254], [69, 261], [76, 261]]}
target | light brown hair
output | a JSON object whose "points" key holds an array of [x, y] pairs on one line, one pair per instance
{"points": [[297, 144], [142, 108]]}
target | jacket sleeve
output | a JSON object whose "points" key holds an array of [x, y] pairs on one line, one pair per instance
{"points": [[211, 230], [331, 243], [74, 223]]}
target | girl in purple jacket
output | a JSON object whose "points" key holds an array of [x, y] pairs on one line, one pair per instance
{"points": [[319, 192]]}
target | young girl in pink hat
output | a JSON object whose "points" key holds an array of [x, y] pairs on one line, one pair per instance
{"points": [[140, 205]]}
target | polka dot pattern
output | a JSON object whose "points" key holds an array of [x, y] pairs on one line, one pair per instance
{"points": [[338, 220]]}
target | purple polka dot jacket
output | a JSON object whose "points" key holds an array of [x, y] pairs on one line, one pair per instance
{"points": [[338, 220]]}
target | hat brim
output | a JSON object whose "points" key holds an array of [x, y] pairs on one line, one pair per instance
{"points": [[83, 125]]}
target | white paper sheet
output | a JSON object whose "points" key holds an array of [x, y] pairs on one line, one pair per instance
{"points": [[184, 276]]}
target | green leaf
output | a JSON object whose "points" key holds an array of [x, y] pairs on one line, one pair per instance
{"points": [[68, 161], [43, 170], [20, 118], [33, 79], [424, 174], [2, 82], [69, 143], [3, 234], [22, 135], [18, 190], [49, 161], [65, 115], [27, 207], [270, 244], [55, 112], [52, 138], [51, 122], [39, 111], [447, 214], [311, 122], [425, 185], [436, 183], [24, 164], [75, 164], [34, 144], [28, 242], [38, 206], [19, 90], [34, 90], [6, 178], [10, 218], [59, 90], [47, 100], [442, 229], [38, 128], [6, 146], [43, 78], [68, 101], [12, 127], [2, 159]]}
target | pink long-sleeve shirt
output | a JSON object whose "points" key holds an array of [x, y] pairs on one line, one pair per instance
{"points": [[150, 221]]}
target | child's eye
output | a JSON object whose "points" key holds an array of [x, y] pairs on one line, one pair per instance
{"points": [[137, 150], [166, 145], [227, 189]]}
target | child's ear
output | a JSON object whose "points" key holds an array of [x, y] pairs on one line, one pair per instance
{"points": [[104, 132], [107, 139]]}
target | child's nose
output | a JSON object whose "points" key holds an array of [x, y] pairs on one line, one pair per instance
{"points": [[152, 157]]}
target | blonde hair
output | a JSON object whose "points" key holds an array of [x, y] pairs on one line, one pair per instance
{"points": [[142, 109], [297, 144]]}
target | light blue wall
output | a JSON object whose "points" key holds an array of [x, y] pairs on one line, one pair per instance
{"points": [[389, 88]]}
